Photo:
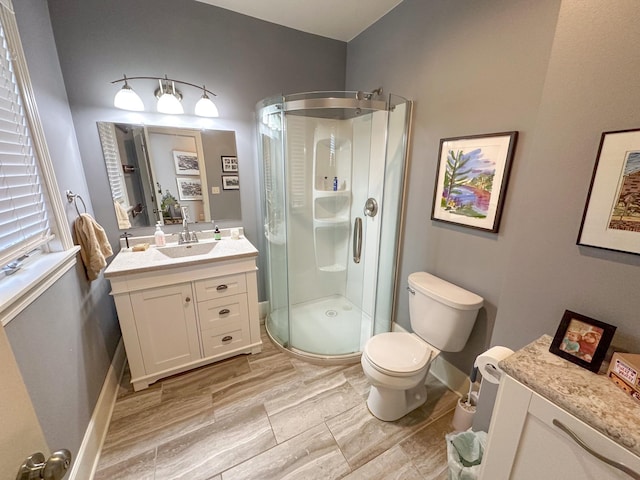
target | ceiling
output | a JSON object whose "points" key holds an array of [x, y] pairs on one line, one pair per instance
{"points": [[337, 19]]}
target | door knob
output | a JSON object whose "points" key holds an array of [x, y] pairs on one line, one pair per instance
{"points": [[54, 468], [371, 207]]}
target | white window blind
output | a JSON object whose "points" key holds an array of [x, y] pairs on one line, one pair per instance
{"points": [[109, 141], [24, 224]]}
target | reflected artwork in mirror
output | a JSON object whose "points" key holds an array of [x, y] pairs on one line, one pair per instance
{"points": [[146, 165]]}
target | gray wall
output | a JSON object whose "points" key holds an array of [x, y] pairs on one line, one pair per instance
{"points": [[241, 59], [560, 73], [63, 342], [225, 205]]}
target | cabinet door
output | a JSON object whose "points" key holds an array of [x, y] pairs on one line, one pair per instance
{"points": [[546, 451], [167, 330]]}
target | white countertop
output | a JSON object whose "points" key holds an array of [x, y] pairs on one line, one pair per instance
{"points": [[127, 261]]}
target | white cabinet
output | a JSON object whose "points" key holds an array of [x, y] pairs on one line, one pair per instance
{"points": [[178, 318], [532, 438], [166, 324]]}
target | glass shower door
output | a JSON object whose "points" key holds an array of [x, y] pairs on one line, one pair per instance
{"points": [[270, 125]]}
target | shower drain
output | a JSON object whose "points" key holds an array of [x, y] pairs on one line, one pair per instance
{"points": [[331, 313]]}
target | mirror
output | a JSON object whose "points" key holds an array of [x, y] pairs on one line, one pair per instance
{"points": [[154, 172]]}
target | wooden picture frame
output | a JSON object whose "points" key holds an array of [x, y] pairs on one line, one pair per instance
{"points": [[611, 218], [471, 179], [582, 340]]}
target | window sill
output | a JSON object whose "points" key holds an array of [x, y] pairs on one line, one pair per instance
{"points": [[22, 288]]}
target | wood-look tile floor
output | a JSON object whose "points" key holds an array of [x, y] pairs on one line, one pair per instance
{"points": [[270, 416]]}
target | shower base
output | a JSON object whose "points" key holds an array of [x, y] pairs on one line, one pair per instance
{"points": [[329, 327]]}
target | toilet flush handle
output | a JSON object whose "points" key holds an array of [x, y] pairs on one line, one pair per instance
{"points": [[411, 290]]}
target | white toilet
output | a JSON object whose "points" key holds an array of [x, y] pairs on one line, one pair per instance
{"points": [[396, 363]]}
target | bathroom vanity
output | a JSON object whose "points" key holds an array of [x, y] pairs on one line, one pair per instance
{"points": [[184, 306], [556, 420]]}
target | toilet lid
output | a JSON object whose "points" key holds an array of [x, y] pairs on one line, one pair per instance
{"points": [[398, 352]]}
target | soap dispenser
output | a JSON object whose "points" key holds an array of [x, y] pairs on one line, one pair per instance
{"points": [[217, 235], [159, 237]]}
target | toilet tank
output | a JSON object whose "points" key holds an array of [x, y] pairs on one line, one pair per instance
{"points": [[442, 313]]}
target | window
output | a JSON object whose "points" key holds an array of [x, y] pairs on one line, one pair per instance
{"points": [[31, 220]]}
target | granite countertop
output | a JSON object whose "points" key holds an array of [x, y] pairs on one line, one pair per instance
{"points": [[592, 398], [127, 261]]}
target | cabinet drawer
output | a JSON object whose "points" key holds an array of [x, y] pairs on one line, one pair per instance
{"points": [[223, 314], [220, 287], [216, 343]]}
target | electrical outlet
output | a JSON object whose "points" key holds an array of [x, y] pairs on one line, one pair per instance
{"points": [[215, 190]]}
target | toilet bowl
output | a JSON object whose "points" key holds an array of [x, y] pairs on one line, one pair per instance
{"points": [[396, 364]]}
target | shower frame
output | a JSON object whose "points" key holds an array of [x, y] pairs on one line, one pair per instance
{"points": [[296, 132]]}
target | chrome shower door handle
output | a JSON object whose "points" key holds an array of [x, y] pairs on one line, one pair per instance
{"points": [[357, 240]]}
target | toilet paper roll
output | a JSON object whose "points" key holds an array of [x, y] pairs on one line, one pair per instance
{"points": [[487, 363]]}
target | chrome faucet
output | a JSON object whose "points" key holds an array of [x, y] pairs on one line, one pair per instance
{"points": [[186, 236]]}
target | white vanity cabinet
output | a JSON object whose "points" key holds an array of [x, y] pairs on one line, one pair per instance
{"points": [[166, 326], [184, 316], [529, 439]]}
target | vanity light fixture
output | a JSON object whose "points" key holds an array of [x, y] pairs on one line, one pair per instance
{"points": [[169, 97], [205, 107], [127, 99]]}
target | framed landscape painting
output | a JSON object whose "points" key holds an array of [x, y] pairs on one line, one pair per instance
{"points": [[611, 218], [471, 180]]}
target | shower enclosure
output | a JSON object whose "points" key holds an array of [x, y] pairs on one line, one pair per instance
{"points": [[333, 171]]}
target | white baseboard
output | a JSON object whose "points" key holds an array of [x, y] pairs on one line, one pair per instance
{"points": [[86, 460], [263, 309], [444, 371]]}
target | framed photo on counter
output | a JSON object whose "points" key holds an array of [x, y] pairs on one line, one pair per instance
{"points": [[582, 340]]}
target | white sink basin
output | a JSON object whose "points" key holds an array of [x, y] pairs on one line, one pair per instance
{"points": [[187, 249]]}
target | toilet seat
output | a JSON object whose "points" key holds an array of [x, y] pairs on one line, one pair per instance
{"points": [[397, 354]]}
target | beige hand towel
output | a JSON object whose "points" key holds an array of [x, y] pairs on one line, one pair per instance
{"points": [[94, 246], [121, 215]]}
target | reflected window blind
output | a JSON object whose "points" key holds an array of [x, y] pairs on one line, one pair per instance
{"points": [[296, 141], [23, 211], [107, 132]]}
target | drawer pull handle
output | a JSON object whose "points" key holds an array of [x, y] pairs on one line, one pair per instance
{"points": [[620, 466], [221, 287], [227, 338], [224, 311], [188, 299]]}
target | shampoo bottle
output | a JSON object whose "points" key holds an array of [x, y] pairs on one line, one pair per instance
{"points": [[159, 236], [217, 235], [335, 184]]}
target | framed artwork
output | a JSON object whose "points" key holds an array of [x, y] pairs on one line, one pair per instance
{"points": [[611, 218], [230, 182], [189, 188], [186, 163], [229, 164], [582, 340], [471, 180]]}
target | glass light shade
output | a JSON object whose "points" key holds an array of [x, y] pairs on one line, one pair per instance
{"points": [[127, 99], [169, 103], [206, 108]]}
